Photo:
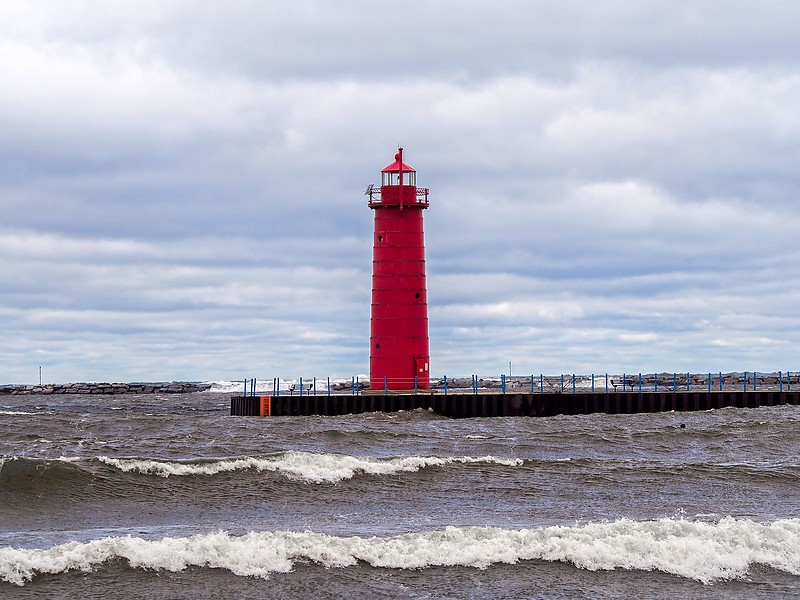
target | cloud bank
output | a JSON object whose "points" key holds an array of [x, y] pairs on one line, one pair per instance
{"points": [[613, 186]]}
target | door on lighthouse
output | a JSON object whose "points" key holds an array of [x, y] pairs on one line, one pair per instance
{"points": [[420, 366]]}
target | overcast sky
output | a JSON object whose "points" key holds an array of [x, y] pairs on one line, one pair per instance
{"points": [[614, 185]]}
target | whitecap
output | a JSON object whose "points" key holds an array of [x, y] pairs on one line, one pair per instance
{"points": [[705, 552], [302, 466]]}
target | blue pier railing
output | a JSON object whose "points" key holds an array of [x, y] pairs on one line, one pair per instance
{"points": [[574, 383]]}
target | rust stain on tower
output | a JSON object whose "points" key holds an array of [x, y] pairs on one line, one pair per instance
{"points": [[399, 357]]}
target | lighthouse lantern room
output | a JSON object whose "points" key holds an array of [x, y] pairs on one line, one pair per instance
{"points": [[399, 356]]}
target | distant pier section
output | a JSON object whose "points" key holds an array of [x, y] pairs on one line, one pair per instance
{"points": [[105, 388]]}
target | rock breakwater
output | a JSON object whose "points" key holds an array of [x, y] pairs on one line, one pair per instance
{"points": [[106, 388]]}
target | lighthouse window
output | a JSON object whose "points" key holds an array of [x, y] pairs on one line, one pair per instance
{"points": [[416, 295], [409, 178], [377, 346], [380, 238]]}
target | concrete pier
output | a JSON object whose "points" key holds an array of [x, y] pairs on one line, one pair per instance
{"points": [[460, 405]]}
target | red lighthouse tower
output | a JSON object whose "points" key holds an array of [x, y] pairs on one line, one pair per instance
{"points": [[399, 356]]}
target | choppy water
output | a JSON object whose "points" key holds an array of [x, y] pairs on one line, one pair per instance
{"points": [[168, 496]]}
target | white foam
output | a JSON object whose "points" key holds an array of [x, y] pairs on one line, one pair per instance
{"points": [[16, 412], [301, 466], [706, 552]]}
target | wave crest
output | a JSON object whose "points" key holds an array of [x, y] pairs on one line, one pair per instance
{"points": [[301, 466], [706, 552]]}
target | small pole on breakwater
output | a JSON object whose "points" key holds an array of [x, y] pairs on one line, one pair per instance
{"points": [[40, 374], [445, 385]]}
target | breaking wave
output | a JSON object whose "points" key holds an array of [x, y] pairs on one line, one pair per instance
{"points": [[702, 551], [301, 466]]}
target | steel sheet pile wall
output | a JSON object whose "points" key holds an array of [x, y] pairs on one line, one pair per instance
{"points": [[513, 405]]}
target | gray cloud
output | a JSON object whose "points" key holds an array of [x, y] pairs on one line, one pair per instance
{"points": [[613, 185]]}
